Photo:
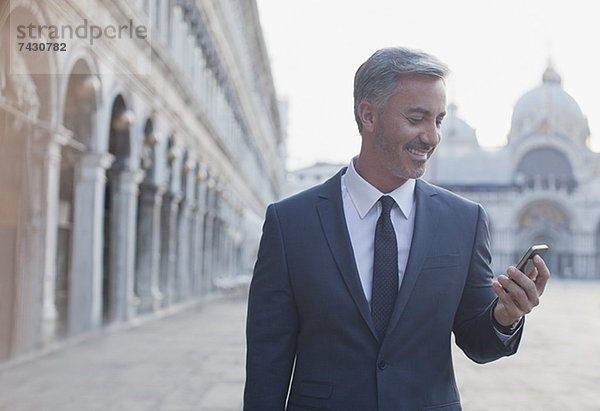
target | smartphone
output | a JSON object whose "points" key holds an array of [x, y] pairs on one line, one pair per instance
{"points": [[526, 263]]}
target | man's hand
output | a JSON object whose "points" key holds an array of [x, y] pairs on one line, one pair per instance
{"points": [[518, 294]]}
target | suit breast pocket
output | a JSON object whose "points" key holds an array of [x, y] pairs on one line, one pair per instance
{"points": [[441, 261]]}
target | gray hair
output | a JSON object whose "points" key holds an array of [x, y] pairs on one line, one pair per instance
{"points": [[377, 78]]}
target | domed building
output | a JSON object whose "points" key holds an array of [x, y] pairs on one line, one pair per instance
{"points": [[542, 187], [549, 110], [460, 161]]}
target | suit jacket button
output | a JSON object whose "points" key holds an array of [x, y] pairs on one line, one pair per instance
{"points": [[381, 365]]}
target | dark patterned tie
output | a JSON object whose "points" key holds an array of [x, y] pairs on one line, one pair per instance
{"points": [[385, 268]]}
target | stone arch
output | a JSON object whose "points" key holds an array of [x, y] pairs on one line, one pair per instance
{"points": [[148, 223], [83, 82], [173, 154], [545, 167], [148, 153], [26, 111], [184, 224], [79, 117], [195, 248], [119, 140], [118, 190], [199, 249], [31, 72], [169, 218], [183, 173], [80, 103], [547, 222]]}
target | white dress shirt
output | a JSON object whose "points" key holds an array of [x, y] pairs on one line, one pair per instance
{"points": [[362, 210]]}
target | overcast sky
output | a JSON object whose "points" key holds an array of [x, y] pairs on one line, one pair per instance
{"points": [[496, 50]]}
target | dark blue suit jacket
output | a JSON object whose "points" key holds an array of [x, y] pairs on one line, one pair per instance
{"points": [[307, 313]]}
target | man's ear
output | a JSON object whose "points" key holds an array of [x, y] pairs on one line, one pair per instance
{"points": [[368, 114]]}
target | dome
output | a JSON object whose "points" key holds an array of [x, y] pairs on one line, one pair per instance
{"points": [[456, 132], [549, 110]]}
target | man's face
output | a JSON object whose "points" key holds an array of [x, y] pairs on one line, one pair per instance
{"points": [[409, 129]]}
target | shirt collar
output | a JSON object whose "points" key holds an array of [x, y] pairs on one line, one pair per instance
{"points": [[364, 196]]}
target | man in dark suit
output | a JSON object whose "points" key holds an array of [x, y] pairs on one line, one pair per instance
{"points": [[360, 281]]}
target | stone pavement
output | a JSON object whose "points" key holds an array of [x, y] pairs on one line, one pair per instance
{"points": [[191, 360], [557, 367], [194, 360]]}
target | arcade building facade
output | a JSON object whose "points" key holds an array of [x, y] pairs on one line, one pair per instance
{"points": [[127, 194]]}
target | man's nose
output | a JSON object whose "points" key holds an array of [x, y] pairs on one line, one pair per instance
{"points": [[432, 135]]}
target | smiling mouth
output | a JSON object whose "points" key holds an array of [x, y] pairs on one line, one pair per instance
{"points": [[419, 154]]}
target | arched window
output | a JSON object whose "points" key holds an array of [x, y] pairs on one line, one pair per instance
{"points": [[79, 118], [545, 168], [119, 147], [546, 222]]}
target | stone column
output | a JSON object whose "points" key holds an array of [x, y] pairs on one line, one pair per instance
{"points": [[227, 269], [29, 278], [229, 255], [209, 239], [191, 249], [233, 241], [49, 147], [235, 235], [182, 281], [198, 234], [207, 252], [583, 254], [85, 288], [196, 250], [239, 238], [122, 244], [148, 248], [168, 261], [227, 231], [234, 254], [217, 250], [12, 155]]}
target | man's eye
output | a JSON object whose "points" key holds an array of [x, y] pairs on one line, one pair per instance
{"points": [[416, 120], [439, 122]]}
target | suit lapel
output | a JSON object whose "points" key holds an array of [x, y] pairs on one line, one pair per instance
{"points": [[426, 221], [333, 222]]}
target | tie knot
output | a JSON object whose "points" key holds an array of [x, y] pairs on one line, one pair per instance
{"points": [[387, 203]]}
